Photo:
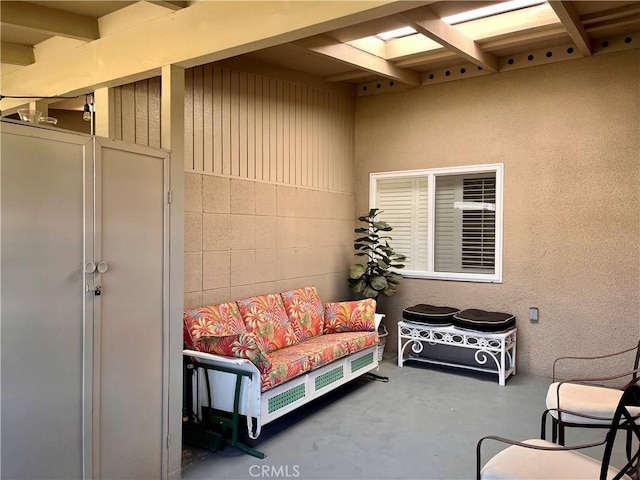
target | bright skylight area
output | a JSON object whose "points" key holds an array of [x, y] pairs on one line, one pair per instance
{"points": [[397, 33], [467, 16], [490, 11]]}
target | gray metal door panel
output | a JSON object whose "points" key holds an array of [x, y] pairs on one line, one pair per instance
{"points": [[41, 304], [132, 240]]}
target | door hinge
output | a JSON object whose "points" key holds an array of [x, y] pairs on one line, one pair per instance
{"points": [[169, 196]]}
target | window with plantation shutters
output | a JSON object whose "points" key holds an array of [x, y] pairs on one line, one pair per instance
{"points": [[403, 204], [448, 222], [479, 224]]}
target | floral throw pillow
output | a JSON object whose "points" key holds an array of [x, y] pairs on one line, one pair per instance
{"points": [[305, 311], [358, 316], [213, 320], [266, 318], [242, 345]]}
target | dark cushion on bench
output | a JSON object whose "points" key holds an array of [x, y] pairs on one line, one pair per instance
{"points": [[430, 314], [482, 321]]}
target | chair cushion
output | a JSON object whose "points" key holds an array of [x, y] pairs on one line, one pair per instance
{"points": [[587, 399], [266, 318], [473, 319], [430, 314], [358, 316], [213, 320], [527, 463], [305, 311]]}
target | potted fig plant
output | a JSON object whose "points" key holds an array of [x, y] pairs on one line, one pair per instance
{"points": [[377, 275]]}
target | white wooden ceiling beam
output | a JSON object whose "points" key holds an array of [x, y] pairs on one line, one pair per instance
{"points": [[202, 33], [618, 13], [341, 52], [16, 54], [431, 57], [170, 5], [346, 76], [570, 18], [49, 20], [430, 25]]}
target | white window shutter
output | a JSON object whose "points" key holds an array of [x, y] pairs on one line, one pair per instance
{"points": [[403, 205], [479, 224]]}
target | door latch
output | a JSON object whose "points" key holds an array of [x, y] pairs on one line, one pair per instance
{"points": [[97, 290]]}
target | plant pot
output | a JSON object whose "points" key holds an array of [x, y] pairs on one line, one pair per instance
{"points": [[382, 333]]}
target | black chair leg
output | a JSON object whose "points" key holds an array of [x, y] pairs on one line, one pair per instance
{"points": [[560, 433]]}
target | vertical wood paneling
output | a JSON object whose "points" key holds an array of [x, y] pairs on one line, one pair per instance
{"points": [[154, 112], [128, 113], [242, 125], [298, 147], [217, 119], [198, 120], [188, 119], [279, 176], [304, 137], [141, 99], [259, 127], [226, 122], [250, 126], [117, 113], [273, 130], [207, 117], [234, 124]]}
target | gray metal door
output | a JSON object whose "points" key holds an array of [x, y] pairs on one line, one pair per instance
{"points": [[41, 301], [131, 240]]}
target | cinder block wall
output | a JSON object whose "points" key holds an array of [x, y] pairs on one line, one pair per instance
{"points": [[245, 237]]}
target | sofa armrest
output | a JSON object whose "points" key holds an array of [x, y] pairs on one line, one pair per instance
{"points": [[225, 373], [221, 360], [355, 316]]}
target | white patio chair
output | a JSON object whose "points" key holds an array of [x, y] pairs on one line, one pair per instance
{"points": [[541, 459]]}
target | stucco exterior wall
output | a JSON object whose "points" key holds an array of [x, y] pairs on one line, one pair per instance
{"points": [[569, 137]]}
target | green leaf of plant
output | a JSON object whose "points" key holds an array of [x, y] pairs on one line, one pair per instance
{"points": [[383, 264], [369, 292], [358, 286], [378, 282], [356, 271]]}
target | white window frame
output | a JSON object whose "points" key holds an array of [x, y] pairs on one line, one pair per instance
{"points": [[431, 175]]}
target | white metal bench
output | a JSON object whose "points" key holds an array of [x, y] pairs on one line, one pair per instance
{"points": [[415, 338]]}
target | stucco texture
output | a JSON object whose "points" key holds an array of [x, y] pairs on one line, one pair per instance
{"points": [[569, 137]]}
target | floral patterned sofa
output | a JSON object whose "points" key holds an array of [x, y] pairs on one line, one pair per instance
{"points": [[267, 355]]}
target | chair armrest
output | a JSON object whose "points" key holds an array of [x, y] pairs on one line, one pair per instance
{"points": [[526, 445], [634, 371]]}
